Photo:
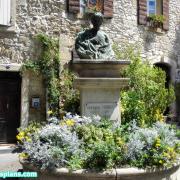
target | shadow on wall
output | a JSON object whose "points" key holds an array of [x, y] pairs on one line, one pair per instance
{"points": [[177, 85], [149, 39]]}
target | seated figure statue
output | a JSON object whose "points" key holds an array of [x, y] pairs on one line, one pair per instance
{"points": [[94, 43]]}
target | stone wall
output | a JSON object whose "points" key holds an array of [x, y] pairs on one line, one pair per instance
{"points": [[32, 86], [50, 17], [154, 46]]}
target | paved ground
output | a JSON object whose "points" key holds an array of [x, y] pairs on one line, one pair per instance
{"points": [[9, 161]]}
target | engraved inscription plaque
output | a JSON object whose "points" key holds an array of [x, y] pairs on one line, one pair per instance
{"points": [[106, 110]]}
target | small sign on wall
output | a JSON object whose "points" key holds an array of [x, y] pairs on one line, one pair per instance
{"points": [[35, 102], [177, 75]]}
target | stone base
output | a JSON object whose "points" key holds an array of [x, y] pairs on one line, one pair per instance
{"points": [[99, 68], [172, 173], [101, 96]]}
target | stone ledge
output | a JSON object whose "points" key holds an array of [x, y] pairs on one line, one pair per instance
{"points": [[100, 61], [158, 31], [172, 173], [110, 83], [99, 68], [12, 67]]}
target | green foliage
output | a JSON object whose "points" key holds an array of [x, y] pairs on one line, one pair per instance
{"points": [[24, 134], [156, 20], [101, 156], [156, 157], [178, 133], [80, 142], [48, 65], [125, 52], [60, 88], [70, 97], [147, 97], [153, 147], [31, 65], [104, 147], [75, 162]]}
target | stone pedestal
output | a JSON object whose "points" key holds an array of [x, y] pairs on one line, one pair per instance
{"points": [[100, 96], [100, 83]]}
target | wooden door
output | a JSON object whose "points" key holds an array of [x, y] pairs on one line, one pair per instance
{"points": [[10, 90], [3, 113]]}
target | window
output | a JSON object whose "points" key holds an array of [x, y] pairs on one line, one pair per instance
{"points": [[83, 6], [5, 12], [7, 15], [151, 7], [90, 6], [95, 5], [154, 7]]}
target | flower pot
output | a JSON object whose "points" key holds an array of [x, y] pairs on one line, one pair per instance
{"points": [[172, 173]]}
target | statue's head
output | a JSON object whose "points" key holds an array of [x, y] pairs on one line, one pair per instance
{"points": [[97, 20]]}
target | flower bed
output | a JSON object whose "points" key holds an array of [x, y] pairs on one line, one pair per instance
{"points": [[93, 143]]}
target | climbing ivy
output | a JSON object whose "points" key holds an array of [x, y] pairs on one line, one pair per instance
{"points": [[60, 92], [48, 65]]}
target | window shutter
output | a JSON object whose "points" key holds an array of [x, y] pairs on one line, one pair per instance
{"points": [[5, 12], [108, 8], [142, 12], [166, 14], [74, 6]]}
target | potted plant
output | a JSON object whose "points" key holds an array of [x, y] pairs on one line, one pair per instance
{"points": [[155, 21]]}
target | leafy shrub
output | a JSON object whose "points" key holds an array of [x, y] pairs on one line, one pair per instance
{"points": [[25, 133], [52, 146], [178, 133], [125, 51], [48, 64], [81, 142], [147, 97], [101, 156], [155, 20], [69, 97], [61, 95], [102, 144], [74, 142], [152, 147]]}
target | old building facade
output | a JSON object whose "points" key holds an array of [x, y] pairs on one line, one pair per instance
{"points": [[125, 23]]}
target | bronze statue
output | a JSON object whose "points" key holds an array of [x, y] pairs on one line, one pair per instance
{"points": [[94, 43]]}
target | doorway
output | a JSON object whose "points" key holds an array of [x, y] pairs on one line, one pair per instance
{"points": [[165, 67], [167, 70], [10, 103]]}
